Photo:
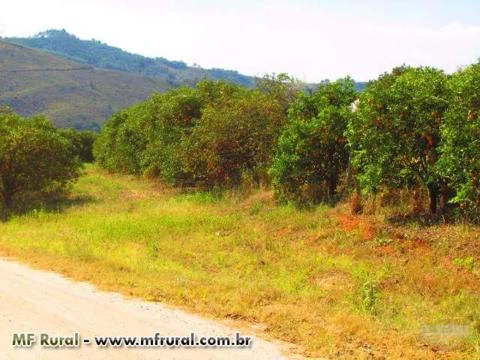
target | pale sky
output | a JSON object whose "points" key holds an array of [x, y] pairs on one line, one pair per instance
{"points": [[312, 40]]}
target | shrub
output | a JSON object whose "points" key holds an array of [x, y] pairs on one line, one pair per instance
{"points": [[34, 158], [233, 137], [212, 136], [170, 118], [146, 138], [395, 137], [461, 147], [120, 146], [312, 152], [81, 143]]}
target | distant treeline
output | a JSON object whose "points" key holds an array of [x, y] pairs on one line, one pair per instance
{"points": [[101, 55], [412, 128]]}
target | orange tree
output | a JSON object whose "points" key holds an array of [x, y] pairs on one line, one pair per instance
{"points": [[461, 132], [312, 152], [234, 136], [169, 118], [146, 138], [120, 145], [35, 159], [395, 136]]}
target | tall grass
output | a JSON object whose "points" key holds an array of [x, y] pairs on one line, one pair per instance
{"points": [[336, 285]]}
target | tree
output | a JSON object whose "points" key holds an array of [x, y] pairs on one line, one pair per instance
{"points": [[282, 87], [81, 143], [235, 135], [460, 160], [34, 158], [146, 138], [120, 146], [395, 137], [312, 151], [210, 135], [169, 118]]}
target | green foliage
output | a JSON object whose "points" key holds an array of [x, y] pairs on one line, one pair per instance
{"points": [[71, 94], [170, 118], [207, 136], [370, 295], [81, 143], [35, 159], [281, 87], [466, 263], [101, 55], [461, 132], [312, 151], [395, 137], [235, 135], [121, 144]]}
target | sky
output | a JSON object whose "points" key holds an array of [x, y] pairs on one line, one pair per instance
{"points": [[311, 40]]}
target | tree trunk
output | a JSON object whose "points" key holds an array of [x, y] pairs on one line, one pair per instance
{"points": [[446, 194], [7, 195], [332, 187], [433, 194]]}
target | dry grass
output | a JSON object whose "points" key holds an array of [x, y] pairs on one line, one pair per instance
{"points": [[337, 285]]}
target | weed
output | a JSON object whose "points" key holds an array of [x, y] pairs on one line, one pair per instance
{"points": [[316, 278], [466, 263], [369, 295]]}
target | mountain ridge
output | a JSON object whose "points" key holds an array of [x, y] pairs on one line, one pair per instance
{"points": [[104, 56], [71, 94], [80, 83]]}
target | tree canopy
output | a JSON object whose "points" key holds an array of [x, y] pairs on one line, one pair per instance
{"points": [[35, 158]]}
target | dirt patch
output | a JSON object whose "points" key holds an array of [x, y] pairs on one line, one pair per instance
{"points": [[266, 198], [333, 280], [350, 223]]}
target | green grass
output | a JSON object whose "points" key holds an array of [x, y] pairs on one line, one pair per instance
{"points": [[336, 285]]}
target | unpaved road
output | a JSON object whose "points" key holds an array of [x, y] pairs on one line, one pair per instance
{"points": [[44, 302]]}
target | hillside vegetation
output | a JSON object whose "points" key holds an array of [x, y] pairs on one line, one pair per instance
{"points": [[341, 221], [64, 79], [101, 55], [70, 93]]}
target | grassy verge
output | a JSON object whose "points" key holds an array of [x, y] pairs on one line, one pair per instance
{"points": [[337, 285]]}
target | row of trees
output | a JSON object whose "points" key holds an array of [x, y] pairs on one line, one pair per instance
{"points": [[211, 135], [37, 160], [412, 128], [418, 127]]}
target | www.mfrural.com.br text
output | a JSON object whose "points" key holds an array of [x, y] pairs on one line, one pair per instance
{"points": [[157, 340]]}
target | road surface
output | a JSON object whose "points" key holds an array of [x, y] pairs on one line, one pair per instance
{"points": [[44, 302]]}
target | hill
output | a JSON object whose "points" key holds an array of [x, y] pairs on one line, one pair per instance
{"points": [[72, 94], [101, 55], [80, 83], [98, 54]]}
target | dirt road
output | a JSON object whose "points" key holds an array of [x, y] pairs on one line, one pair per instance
{"points": [[43, 302]]}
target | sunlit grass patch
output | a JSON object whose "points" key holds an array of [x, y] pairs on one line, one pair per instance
{"points": [[337, 286]]}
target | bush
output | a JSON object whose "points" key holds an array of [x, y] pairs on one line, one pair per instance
{"points": [[208, 136], [120, 146], [234, 136], [461, 147], [35, 159], [312, 152], [81, 143], [146, 138], [395, 137]]}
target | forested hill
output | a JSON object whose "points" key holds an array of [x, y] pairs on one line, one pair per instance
{"points": [[98, 54], [72, 94], [80, 83], [101, 55]]}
